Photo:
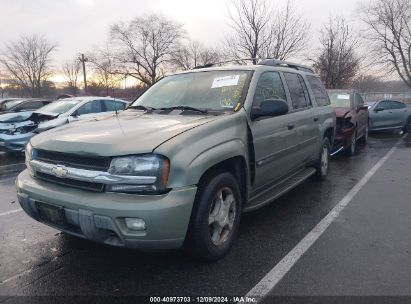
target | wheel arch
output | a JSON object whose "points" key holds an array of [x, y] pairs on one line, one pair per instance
{"points": [[237, 166]]}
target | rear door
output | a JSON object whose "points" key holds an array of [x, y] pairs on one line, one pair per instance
{"points": [[388, 114], [304, 117], [275, 139]]}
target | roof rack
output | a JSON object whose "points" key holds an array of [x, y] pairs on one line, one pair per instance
{"points": [[267, 62], [276, 62], [211, 64]]}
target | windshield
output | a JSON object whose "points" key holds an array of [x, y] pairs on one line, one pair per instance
{"points": [[11, 104], [214, 90], [340, 99], [60, 106]]}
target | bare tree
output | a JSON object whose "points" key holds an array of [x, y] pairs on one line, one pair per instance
{"points": [[260, 31], [146, 45], [194, 54], [337, 62], [389, 25], [71, 71], [27, 60], [105, 69], [289, 33]]}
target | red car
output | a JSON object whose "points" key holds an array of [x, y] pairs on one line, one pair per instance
{"points": [[352, 120]]}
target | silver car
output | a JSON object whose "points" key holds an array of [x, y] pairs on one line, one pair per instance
{"points": [[390, 114], [17, 128]]}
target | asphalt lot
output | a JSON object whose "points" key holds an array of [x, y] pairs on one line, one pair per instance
{"points": [[365, 250]]}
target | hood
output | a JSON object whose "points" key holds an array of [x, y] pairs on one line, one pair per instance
{"points": [[49, 124], [341, 112], [130, 132], [15, 117]]}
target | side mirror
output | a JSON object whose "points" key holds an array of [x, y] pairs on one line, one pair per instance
{"points": [[377, 109], [75, 114], [270, 108]]}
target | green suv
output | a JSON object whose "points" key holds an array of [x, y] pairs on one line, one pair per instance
{"points": [[185, 160]]}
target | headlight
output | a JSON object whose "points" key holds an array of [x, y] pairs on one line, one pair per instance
{"points": [[152, 166]]}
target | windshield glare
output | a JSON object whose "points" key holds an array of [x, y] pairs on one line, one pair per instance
{"points": [[214, 90], [60, 106], [340, 100]]}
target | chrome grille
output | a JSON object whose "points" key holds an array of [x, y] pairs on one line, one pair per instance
{"points": [[97, 187], [97, 163]]}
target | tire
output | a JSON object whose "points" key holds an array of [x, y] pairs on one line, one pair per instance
{"points": [[407, 127], [352, 148], [364, 138], [323, 163], [213, 229]]}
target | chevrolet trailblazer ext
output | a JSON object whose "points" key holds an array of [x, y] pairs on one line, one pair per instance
{"points": [[181, 164]]}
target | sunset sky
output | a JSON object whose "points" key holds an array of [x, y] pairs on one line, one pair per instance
{"points": [[79, 25]]}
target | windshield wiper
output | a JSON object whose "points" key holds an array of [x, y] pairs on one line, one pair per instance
{"points": [[144, 108], [185, 108]]}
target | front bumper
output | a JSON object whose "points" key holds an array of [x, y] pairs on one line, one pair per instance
{"points": [[100, 216], [342, 140], [14, 143]]}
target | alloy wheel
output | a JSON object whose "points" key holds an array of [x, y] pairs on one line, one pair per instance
{"points": [[324, 160], [222, 216]]}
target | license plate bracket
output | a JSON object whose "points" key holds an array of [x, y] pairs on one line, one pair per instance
{"points": [[51, 214]]}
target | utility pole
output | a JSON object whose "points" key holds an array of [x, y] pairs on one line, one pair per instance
{"points": [[83, 60]]}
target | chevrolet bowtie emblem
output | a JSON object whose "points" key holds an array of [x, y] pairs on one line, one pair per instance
{"points": [[59, 171]]}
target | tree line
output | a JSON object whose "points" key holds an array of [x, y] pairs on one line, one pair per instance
{"points": [[149, 47]]}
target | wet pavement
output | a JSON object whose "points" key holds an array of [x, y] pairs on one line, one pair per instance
{"points": [[38, 260]]}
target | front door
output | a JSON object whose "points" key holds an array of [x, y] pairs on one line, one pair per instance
{"points": [[275, 138]]}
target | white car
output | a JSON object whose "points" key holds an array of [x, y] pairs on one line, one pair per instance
{"points": [[17, 128]]}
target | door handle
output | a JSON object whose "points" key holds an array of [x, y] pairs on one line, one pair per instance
{"points": [[291, 126], [315, 118]]}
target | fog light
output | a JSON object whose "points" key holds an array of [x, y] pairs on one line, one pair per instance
{"points": [[135, 224]]}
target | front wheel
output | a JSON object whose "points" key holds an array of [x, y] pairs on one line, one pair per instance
{"points": [[364, 139], [323, 162], [353, 146], [408, 125], [215, 218]]}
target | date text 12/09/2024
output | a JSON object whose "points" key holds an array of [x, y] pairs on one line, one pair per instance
{"points": [[203, 300]]}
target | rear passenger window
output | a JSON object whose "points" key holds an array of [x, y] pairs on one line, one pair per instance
{"points": [[112, 105], [319, 91], [298, 91], [269, 86]]}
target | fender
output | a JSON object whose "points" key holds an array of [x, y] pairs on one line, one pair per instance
{"points": [[192, 153]]}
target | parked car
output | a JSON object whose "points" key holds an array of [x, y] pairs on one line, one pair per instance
{"points": [[4, 100], [20, 105], [17, 128], [182, 163], [352, 120], [390, 114]]}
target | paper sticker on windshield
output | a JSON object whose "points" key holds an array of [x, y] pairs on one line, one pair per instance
{"points": [[225, 81], [343, 96]]}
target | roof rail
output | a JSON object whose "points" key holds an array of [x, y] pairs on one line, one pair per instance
{"points": [[211, 64], [276, 62]]}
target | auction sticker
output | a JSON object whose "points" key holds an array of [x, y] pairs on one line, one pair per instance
{"points": [[225, 81]]}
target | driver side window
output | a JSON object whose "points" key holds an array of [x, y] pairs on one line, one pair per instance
{"points": [[269, 86], [90, 107]]}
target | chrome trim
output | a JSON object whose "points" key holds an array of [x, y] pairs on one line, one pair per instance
{"points": [[91, 176]]}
